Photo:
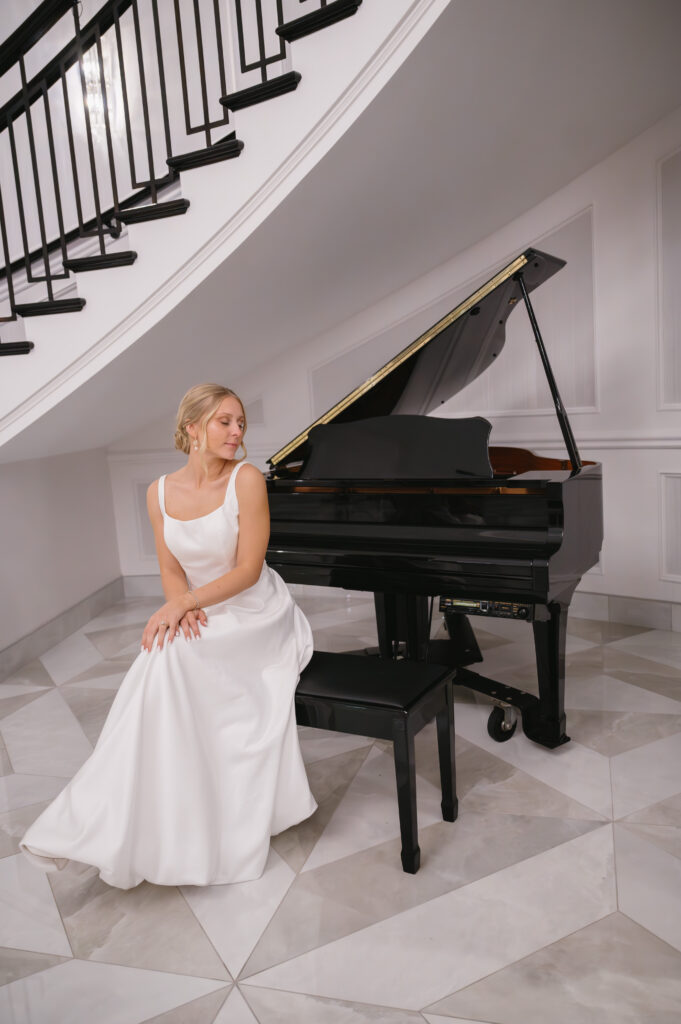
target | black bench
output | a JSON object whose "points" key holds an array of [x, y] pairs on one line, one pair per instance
{"points": [[390, 700]]}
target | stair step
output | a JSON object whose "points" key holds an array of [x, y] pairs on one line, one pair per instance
{"points": [[225, 150], [154, 211], [264, 91], [47, 307], [316, 20], [100, 262], [15, 348]]}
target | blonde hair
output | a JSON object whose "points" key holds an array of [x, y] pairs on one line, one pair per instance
{"points": [[198, 406]]}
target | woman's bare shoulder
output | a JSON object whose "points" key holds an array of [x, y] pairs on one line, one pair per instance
{"points": [[250, 480]]}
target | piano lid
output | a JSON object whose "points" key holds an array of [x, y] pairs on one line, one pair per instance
{"points": [[443, 360]]}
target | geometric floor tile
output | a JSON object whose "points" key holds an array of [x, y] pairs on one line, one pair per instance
{"points": [[463, 936], [13, 824], [644, 982], [271, 1007], [19, 963], [235, 1010], [614, 732], [79, 992], [199, 1011], [329, 780], [90, 707], [150, 926], [345, 896], [646, 775], [252, 904], [649, 885], [45, 738], [574, 770], [29, 918], [512, 916], [367, 813], [22, 790], [75, 654]]}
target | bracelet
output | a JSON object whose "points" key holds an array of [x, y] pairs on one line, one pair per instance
{"points": [[196, 600]]}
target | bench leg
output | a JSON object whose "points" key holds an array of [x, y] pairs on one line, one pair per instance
{"points": [[405, 772], [445, 748]]}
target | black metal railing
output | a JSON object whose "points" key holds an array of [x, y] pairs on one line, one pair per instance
{"points": [[96, 136]]}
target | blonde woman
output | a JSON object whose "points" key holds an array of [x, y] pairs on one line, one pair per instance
{"points": [[198, 763]]}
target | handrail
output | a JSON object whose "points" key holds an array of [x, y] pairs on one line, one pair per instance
{"points": [[106, 124], [35, 26]]}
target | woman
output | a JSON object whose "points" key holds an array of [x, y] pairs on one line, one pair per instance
{"points": [[198, 762]]}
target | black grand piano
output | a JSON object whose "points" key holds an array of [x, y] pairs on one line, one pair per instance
{"points": [[378, 495]]}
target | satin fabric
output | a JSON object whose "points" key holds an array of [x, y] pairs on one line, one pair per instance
{"points": [[198, 762]]}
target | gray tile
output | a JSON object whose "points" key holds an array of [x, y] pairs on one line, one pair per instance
{"points": [[13, 824], [329, 779], [613, 732], [19, 963], [150, 926], [347, 895], [199, 1011], [272, 1007], [9, 705], [667, 837], [666, 812], [110, 642], [33, 673], [611, 972], [90, 707]]}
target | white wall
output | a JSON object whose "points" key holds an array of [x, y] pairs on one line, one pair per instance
{"points": [[58, 543], [612, 335]]}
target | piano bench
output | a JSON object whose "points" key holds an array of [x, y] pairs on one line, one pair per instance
{"points": [[390, 700]]}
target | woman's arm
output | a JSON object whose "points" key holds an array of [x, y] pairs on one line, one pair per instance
{"points": [[180, 608]]}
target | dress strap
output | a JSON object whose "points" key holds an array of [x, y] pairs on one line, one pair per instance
{"points": [[162, 494], [230, 494]]}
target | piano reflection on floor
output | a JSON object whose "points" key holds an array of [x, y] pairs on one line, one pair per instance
{"points": [[378, 495]]}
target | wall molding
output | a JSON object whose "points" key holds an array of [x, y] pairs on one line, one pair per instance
{"points": [[668, 535], [662, 406]]}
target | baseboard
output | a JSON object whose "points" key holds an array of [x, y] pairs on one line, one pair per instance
{"points": [[57, 629]]}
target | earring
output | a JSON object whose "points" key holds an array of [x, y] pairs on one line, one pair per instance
{"points": [[195, 446]]}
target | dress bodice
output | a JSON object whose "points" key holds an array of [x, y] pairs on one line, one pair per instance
{"points": [[205, 546]]}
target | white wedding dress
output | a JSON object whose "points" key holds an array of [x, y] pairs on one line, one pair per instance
{"points": [[198, 762]]}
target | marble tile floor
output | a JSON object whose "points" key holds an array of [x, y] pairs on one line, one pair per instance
{"points": [[556, 895]]}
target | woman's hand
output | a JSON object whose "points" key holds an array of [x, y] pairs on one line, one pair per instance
{"points": [[189, 623], [165, 622]]}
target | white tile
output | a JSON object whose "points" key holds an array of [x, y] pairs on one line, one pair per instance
{"points": [[575, 770], [235, 1010], [45, 738], [9, 689], [316, 744], [606, 693], [29, 918], [71, 656], [79, 992], [419, 956], [646, 775], [435, 1018], [368, 812], [235, 916], [341, 616], [111, 682], [659, 645], [649, 885], [22, 790]]}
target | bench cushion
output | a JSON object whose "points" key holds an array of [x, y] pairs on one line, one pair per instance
{"points": [[371, 681]]}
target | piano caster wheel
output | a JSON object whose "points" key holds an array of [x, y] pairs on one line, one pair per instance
{"points": [[502, 723]]}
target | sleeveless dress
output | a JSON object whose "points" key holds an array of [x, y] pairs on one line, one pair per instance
{"points": [[198, 762]]}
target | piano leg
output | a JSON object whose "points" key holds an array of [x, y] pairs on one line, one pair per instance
{"points": [[402, 618], [544, 722]]}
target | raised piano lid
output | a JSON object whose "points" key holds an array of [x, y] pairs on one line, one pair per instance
{"points": [[443, 360]]}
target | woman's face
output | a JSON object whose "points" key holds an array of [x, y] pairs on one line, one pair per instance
{"points": [[225, 429]]}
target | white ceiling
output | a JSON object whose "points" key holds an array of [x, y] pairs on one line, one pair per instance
{"points": [[502, 103]]}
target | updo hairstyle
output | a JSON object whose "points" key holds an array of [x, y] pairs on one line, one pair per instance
{"points": [[198, 405]]}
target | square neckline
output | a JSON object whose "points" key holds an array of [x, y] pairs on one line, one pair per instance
{"points": [[194, 519]]}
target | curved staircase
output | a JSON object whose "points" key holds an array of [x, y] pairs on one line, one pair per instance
{"points": [[128, 233]]}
